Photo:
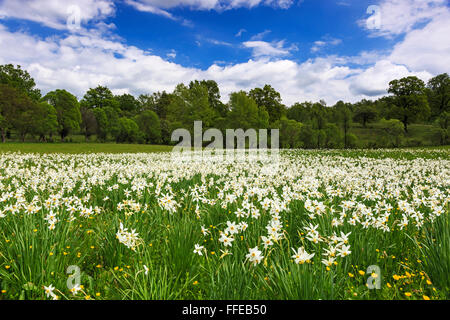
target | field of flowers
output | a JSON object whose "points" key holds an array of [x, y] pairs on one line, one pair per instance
{"points": [[141, 226]]}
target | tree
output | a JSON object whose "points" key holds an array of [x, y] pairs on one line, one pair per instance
{"points": [[289, 133], [68, 111], [190, 104], [128, 130], [19, 79], [245, 114], [300, 112], [333, 136], [102, 123], [213, 96], [157, 102], [344, 117], [45, 120], [365, 112], [89, 123], [127, 104], [16, 111], [319, 121], [100, 97], [270, 99], [392, 132], [150, 126], [409, 100], [438, 91]]}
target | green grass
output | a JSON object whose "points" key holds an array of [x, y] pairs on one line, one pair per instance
{"points": [[76, 148]]}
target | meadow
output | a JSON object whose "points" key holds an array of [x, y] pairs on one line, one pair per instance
{"points": [[134, 224]]}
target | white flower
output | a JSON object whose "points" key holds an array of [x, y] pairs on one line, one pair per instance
{"points": [[226, 240], [198, 249], [254, 256], [301, 256]]}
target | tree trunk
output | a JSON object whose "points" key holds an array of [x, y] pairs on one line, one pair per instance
{"points": [[3, 136]]}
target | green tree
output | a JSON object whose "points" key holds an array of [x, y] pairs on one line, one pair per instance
{"points": [[102, 123], [300, 112], [89, 123], [270, 99], [19, 79], [150, 126], [438, 91], [190, 104], [333, 136], [409, 100], [100, 97], [68, 111], [213, 96], [365, 112], [245, 114], [289, 133], [393, 132], [128, 130], [45, 121], [17, 111], [344, 116], [127, 104]]}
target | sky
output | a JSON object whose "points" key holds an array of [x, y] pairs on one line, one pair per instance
{"points": [[308, 50]]}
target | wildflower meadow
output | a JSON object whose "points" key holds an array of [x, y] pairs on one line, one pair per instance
{"points": [[325, 224]]}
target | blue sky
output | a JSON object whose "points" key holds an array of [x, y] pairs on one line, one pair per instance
{"points": [[308, 50]]}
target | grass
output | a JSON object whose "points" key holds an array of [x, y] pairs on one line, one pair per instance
{"points": [[414, 262], [76, 148]]}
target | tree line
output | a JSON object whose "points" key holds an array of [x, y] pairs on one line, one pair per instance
{"points": [[150, 118]]}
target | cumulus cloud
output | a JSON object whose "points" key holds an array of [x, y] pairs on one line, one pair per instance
{"points": [[83, 60], [77, 62], [53, 13], [401, 16], [269, 49], [427, 48]]}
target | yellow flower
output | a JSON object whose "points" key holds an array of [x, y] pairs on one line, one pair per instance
{"points": [[51, 253], [396, 277], [7, 267], [408, 294], [97, 294], [389, 285], [374, 275], [428, 282], [195, 283], [426, 297], [3, 291], [350, 275], [361, 272]]}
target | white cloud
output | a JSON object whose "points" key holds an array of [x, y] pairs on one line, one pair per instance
{"points": [[428, 48], [54, 13], [269, 49], [373, 81], [210, 4], [320, 44], [401, 16], [78, 62]]}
